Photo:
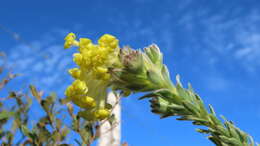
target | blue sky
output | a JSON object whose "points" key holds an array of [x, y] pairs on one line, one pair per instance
{"points": [[214, 45]]}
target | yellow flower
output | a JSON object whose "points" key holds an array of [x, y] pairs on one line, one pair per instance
{"points": [[75, 73], [89, 90], [78, 58], [77, 88], [84, 101], [70, 40], [102, 114]]}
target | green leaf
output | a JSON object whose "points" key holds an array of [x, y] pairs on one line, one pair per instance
{"points": [[25, 131], [230, 141], [35, 93], [212, 110], [153, 52], [6, 115], [154, 77], [203, 131], [108, 106], [166, 74], [149, 95], [191, 107], [64, 132], [51, 98]]}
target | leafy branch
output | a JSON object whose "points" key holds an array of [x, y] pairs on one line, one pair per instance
{"points": [[145, 72], [188, 106]]}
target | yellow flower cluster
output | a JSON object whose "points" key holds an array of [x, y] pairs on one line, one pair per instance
{"points": [[77, 93], [91, 57], [89, 90]]}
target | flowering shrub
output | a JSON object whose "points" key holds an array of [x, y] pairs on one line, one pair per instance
{"points": [[131, 71]]}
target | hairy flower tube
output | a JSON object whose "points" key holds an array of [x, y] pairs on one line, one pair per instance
{"points": [[92, 79]]}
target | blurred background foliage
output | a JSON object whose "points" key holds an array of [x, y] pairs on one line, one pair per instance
{"points": [[57, 125]]}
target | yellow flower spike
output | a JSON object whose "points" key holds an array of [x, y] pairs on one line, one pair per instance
{"points": [[93, 61], [101, 114], [75, 72], [70, 41]]}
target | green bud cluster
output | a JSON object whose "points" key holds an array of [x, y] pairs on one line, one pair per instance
{"points": [[142, 71]]}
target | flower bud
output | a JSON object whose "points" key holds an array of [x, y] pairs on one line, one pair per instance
{"points": [[153, 52], [78, 58], [101, 114], [88, 102], [70, 41], [132, 60], [79, 87], [75, 72]]}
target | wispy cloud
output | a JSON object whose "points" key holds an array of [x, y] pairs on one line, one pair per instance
{"points": [[222, 42], [44, 63], [237, 39], [249, 51]]}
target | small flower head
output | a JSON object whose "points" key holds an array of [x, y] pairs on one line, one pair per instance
{"points": [[89, 90]]}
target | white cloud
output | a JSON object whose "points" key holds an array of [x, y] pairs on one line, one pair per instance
{"points": [[43, 63], [223, 42], [236, 39], [250, 50]]}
